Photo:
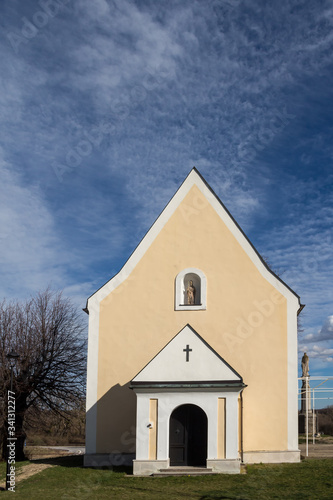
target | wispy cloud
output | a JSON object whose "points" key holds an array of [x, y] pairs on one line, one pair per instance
{"points": [[107, 106], [30, 251], [326, 332]]}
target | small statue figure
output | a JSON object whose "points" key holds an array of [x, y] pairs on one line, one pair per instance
{"points": [[305, 365], [190, 293]]}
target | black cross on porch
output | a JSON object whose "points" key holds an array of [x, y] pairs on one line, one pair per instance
{"points": [[187, 350]]}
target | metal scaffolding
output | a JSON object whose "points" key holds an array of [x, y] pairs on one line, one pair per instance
{"points": [[306, 394]]}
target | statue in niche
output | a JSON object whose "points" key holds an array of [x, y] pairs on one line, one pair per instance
{"points": [[190, 292], [305, 365]]}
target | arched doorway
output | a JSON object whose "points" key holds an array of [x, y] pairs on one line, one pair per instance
{"points": [[188, 436]]}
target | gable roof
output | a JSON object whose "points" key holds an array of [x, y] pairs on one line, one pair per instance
{"points": [[193, 178], [187, 360]]}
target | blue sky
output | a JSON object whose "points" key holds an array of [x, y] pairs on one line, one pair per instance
{"points": [[107, 105]]}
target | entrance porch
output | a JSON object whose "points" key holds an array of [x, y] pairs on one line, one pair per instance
{"points": [[183, 427]]}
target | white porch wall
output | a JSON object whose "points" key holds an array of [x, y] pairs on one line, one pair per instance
{"points": [[167, 402]]}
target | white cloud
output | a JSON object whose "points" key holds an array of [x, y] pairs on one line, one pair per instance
{"points": [[126, 49], [210, 84], [326, 332], [30, 255]]}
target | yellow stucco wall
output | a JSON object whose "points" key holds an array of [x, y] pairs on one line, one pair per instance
{"points": [[221, 428], [153, 408], [138, 318]]}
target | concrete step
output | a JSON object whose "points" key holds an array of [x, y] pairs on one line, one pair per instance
{"points": [[183, 471]]}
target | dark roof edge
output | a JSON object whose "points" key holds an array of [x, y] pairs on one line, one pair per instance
{"points": [[188, 385], [301, 307]]}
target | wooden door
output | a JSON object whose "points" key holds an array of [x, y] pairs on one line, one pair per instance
{"points": [[188, 436]]}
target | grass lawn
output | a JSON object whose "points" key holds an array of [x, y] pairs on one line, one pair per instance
{"points": [[311, 479]]}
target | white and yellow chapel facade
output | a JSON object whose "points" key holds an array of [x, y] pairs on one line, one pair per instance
{"points": [[192, 349]]}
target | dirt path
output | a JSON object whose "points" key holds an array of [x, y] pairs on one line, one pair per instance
{"points": [[28, 471], [36, 453]]}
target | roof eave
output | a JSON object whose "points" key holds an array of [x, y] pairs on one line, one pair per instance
{"points": [[225, 384]]}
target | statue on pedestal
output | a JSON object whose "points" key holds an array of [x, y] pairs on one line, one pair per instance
{"points": [[305, 365], [307, 420], [190, 292]]}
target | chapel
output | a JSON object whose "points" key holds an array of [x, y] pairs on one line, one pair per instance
{"points": [[192, 348]]}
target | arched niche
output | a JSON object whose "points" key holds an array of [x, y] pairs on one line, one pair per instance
{"points": [[182, 283]]}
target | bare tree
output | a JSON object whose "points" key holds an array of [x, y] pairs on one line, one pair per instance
{"points": [[48, 334]]}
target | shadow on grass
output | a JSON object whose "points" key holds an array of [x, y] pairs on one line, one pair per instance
{"points": [[64, 461], [77, 461]]}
